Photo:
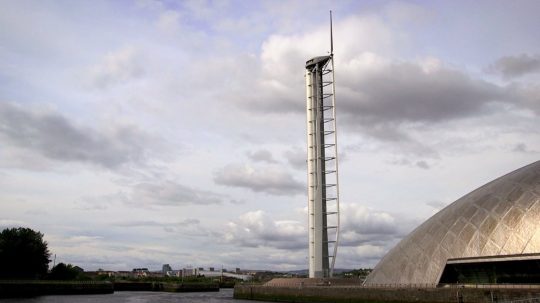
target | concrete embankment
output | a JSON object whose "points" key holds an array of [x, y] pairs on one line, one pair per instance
{"points": [[40, 288], [352, 294]]}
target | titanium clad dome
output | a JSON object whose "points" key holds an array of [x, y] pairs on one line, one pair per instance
{"points": [[499, 218]]}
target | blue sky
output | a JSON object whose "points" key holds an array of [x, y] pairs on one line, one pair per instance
{"points": [[138, 133]]}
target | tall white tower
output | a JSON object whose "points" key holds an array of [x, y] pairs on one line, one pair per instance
{"points": [[322, 163]]}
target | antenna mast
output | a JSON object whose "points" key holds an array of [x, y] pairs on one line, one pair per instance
{"points": [[331, 36]]}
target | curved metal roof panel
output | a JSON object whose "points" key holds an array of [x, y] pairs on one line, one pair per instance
{"points": [[499, 218]]}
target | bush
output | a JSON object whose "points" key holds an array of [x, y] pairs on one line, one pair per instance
{"points": [[65, 272]]}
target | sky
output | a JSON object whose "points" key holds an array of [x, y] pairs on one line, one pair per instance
{"points": [[140, 133]]}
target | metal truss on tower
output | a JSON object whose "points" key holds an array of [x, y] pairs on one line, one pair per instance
{"points": [[322, 160]]}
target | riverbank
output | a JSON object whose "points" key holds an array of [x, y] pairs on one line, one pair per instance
{"points": [[10, 289], [40, 288], [351, 294]]}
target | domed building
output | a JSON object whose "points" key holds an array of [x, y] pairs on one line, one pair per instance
{"points": [[491, 235]]}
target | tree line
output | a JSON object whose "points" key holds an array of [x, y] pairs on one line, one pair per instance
{"points": [[24, 255]]}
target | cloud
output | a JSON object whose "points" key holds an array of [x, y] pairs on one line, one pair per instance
{"points": [[100, 252], [375, 93], [438, 205], [76, 240], [366, 234], [516, 66], [258, 229], [407, 13], [169, 193], [53, 136], [406, 162], [261, 155], [117, 67], [520, 147], [365, 256], [273, 181], [368, 221], [365, 226], [152, 194], [8, 223], [274, 89], [297, 158], [188, 227], [527, 95], [102, 202], [168, 21], [151, 223], [523, 148], [422, 164], [378, 94], [390, 94]]}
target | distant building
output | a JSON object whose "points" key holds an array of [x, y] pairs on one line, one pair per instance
{"points": [[124, 274], [166, 268], [105, 272], [190, 272], [215, 274], [155, 274], [140, 272], [144, 269], [167, 271], [174, 273]]}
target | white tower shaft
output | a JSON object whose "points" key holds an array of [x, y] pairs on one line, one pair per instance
{"points": [[323, 190]]}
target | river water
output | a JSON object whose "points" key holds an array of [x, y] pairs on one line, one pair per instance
{"points": [[223, 296]]}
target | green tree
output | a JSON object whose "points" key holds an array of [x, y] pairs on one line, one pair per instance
{"points": [[65, 272], [23, 254]]}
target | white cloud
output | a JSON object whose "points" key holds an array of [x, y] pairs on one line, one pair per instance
{"points": [[364, 221], [259, 229], [296, 158], [516, 66], [54, 136], [169, 193], [117, 67], [8, 223], [407, 13], [168, 21], [261, 155], [283, 56], [270, 180], [407, 92], [366, 234]]}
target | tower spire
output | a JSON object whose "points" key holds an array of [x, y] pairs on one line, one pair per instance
{"points": [[331, 36], [322, 164]]}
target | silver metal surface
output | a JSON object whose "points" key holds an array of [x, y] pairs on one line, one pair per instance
{"points": [[499, 218]]}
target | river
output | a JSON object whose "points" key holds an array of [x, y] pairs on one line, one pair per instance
{"points": [[223, 296]]}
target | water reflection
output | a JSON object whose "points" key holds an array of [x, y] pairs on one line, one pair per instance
{"points": [[224, 295]]}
